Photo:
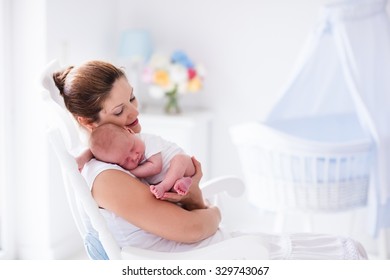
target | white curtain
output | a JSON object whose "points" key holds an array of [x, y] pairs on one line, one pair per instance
{"points": [[345, 67]]}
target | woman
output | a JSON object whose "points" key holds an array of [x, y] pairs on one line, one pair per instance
{"points": [[98, 92]]}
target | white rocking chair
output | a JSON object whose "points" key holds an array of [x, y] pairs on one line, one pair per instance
{"points": [[99, 242]]}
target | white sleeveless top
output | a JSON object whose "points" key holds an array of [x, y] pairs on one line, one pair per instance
{"points": [[127, 234]]}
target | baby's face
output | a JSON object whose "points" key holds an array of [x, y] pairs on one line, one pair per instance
{"points": [[130, 152]]}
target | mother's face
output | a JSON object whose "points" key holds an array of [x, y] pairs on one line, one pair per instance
{"points": [[120, 107]]}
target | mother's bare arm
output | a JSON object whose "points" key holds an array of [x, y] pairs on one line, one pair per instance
{"points": [[130, 199]]}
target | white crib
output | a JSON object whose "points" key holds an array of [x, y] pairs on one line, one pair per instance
{"points": [[319, 163]]}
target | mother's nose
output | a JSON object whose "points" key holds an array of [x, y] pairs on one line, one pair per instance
{"points": [[132, 110]]}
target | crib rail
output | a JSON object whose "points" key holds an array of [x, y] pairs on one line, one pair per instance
{"points": [[284, 171]]}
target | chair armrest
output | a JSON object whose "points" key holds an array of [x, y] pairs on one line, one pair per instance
{"points": [[231, 185]]}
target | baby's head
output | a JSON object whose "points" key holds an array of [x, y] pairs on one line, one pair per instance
{"points": [[115, 144]]}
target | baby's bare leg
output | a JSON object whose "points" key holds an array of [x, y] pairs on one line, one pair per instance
{"points": [[178, 177]]}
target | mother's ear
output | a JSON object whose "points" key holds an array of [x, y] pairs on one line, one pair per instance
{"points": [[87, 123]]}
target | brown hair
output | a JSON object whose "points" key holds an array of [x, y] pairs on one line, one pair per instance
{"points": [[86, 87]]}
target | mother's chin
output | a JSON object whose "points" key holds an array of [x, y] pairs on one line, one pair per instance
{"points": [[134, 126]]}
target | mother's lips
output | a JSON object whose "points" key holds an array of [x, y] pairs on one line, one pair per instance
{"points": [[134, 123]]}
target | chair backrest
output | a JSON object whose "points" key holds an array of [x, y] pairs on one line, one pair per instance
{"points": [[59, 116], [64, 138]]}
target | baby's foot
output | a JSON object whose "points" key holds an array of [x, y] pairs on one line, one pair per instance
{"points": [[157, 190], [183, 185]]}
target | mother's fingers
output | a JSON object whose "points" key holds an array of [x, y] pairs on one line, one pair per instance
{"points": [[171, 197], [194, 198], [198, 167]]}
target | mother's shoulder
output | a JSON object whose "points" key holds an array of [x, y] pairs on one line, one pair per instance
{"points": [[94, 167]]}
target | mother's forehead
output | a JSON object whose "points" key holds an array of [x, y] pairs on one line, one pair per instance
{"points": [[121, 90]]}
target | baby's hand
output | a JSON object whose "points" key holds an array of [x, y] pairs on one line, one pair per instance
{"points": [[83, 159]]}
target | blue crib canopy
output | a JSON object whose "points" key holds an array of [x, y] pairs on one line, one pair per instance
{"points": [[345, 67]]}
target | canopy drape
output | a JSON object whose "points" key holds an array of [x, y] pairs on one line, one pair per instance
{"points": [[345, 67]]}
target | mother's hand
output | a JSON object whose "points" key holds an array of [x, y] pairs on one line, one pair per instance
{"points": [[194, 198]]}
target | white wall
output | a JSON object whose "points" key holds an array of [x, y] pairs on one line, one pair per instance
{"points": [[248, 48], [35, 194], [81, 30], [29, 182]]}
